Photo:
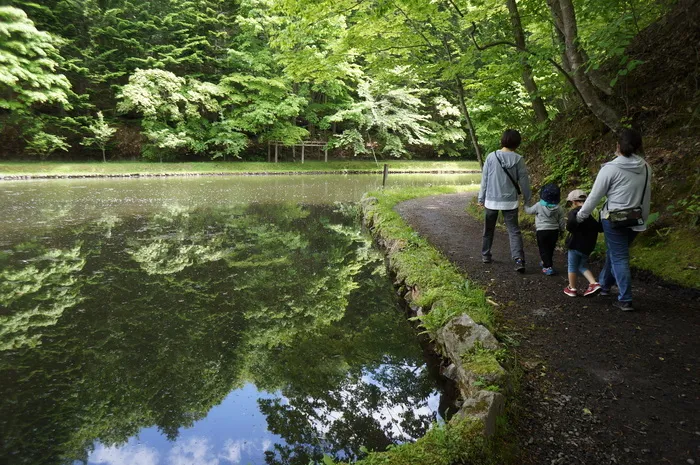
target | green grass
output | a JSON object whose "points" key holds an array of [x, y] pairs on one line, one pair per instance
{"points": [[234, 167], [456, 442], [483, 362], [443, 287], [671, 254]]}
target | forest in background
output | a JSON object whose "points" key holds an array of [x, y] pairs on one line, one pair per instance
{"points": [[215, 79]]}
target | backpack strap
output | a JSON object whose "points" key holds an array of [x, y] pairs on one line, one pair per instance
{"points": [[646, 181]]}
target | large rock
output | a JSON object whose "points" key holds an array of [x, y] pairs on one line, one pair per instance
{"points": [[366, 201], [485, 405], [459, 336], [471, 381]]}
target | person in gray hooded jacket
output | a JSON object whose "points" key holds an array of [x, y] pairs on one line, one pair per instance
{"points": [[503, 177], [626, 182], [550, 220]]}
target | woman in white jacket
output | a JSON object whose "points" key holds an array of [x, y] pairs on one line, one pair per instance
{"points": [[626, 182]]}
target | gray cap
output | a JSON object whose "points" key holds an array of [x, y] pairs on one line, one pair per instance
{"points": [[576, 194]]}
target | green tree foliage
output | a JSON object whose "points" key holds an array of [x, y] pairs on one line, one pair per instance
{"points": [[29, 61], [173, 110], [393, 115], [101, 134], [286, 70], [29, 78], [43, 144]]}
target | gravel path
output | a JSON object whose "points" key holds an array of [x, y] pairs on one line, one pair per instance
{"points": [[600, 386]]}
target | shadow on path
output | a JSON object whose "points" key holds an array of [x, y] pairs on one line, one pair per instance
{"points": [[600, 386]]}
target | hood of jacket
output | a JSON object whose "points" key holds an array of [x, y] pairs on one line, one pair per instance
{"points": [[507, 159], [633, 163], [548, 209]]}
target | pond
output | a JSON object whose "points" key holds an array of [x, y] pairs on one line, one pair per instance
{"points": [[201, 321]]}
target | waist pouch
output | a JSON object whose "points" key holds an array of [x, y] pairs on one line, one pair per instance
{"points": [[626, 218]]}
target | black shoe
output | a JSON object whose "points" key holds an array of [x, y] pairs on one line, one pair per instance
{"points": [[519, 265], [486, 259], [624, 306]]}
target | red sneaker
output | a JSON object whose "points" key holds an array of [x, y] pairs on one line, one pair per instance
{"points": [[592, 289], [570, 292]]}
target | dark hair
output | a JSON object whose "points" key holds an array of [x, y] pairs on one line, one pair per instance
{"points": [[630, 141], [510, 139]]}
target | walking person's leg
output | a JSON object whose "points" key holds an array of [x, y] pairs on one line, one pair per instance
{"points": [[490, 218], [542, 246], [606, 277], [618, 242], [573, 266], [514, 235], [550, 242], [593, 286]]}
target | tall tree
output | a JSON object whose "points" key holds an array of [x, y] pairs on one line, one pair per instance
{"points": [[28, 78], [528, 79], [564, 17]]}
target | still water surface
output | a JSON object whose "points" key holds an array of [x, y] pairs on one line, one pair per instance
{"points": [[201, 321]]}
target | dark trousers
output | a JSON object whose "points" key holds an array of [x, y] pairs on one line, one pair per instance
{"points": [[547, 242], [510, 217]]}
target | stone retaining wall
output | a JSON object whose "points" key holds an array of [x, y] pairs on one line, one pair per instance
{"points": [[456, 340]]}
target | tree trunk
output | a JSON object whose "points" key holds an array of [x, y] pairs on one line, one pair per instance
{"points": [[467, 118], [104, 157], [565, 19], [530, 85], [596, 77], [558, 30]]}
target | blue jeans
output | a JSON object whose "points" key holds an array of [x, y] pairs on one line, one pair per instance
{"points": [[578, 262], [617, 260]]}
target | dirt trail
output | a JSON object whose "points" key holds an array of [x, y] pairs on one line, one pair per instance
{"points": [[600, 386]]}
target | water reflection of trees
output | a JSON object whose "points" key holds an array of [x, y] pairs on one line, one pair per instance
{"points": [[36, 291], [172, 312]]}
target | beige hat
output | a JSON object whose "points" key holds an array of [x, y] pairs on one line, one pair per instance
{"points": [[576, 194]]}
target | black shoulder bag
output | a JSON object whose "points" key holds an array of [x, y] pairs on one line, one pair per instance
{"points": [[629, 217], [515, 184]]}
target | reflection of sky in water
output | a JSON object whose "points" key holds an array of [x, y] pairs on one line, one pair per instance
{"points": [[387, 415], [128, 329], [234, 432]]}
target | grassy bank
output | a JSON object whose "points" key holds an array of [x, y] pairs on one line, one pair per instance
{"points": [[457, 442], [672, 254], [440, 289], [60, 169], [422, 265]]}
